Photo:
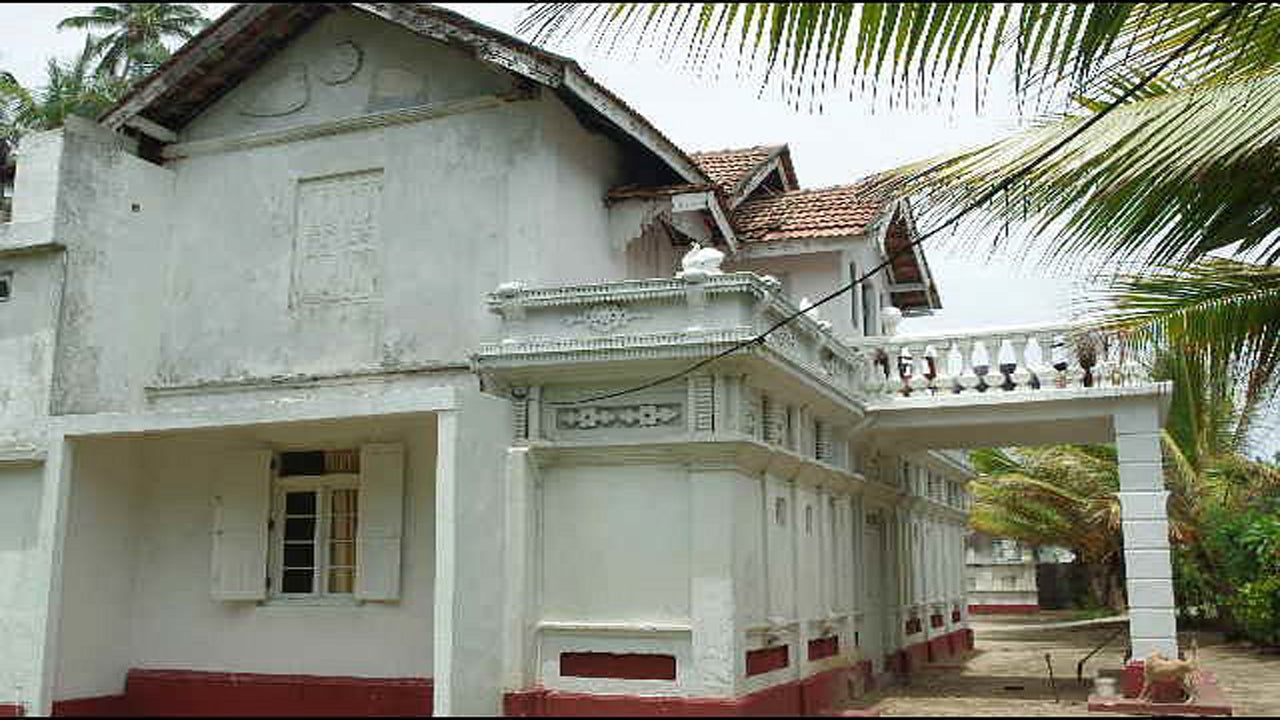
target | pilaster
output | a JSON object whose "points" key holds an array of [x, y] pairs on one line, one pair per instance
{"points": [[1145, 525]]}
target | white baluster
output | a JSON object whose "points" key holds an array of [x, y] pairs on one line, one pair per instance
{"points": [[1021, 373], [1075, 369], [944, 379], [918, 382], [1044, 369], [893, 377], [968, 379], [993, 378]]}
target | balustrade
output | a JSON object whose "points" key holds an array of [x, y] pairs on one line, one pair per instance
{"points": [[1038, 358]]}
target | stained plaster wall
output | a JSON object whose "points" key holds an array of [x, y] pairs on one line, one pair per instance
{"points": [[27, 331], [201, 251], [137, 568], [21, 572]]}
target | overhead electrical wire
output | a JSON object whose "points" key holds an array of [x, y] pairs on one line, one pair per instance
{"points": [[954, 218]]}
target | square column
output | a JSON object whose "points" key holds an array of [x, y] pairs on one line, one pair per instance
{"points": [[1148, 570]]}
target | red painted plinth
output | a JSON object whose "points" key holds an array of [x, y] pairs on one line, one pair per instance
{"points": [[10, 710], [1131, 681], [822, 648], [916, 656], [628, 666], [1003, 609], [191, 693], [810, 696], [765, 660], [104, 706], [1208, 699]]}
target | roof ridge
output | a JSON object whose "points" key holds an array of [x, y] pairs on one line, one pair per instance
{"points": [[807, 191], [730, 151]]}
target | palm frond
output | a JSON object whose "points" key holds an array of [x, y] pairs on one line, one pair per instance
{"points": [[921, 50], [1225, 312]]}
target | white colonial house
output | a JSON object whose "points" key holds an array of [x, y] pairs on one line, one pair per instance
{"points": [[319, 357]]}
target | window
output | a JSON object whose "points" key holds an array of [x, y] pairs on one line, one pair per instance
{"points": [[855, 311], [6, 285], [308, 526], [869, 309], [780, 511], [315, 521]]}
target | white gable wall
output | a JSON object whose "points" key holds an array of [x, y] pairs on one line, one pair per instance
{"points": [[207, 264]]}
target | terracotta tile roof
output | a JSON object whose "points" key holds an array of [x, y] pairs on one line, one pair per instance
{"points": [[729, 167], [822, 212]]}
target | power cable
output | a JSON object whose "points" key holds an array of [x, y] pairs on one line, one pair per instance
{"points": [[956, 217]]}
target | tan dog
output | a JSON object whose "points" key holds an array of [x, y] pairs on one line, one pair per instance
{"points": [[1159, 670]]}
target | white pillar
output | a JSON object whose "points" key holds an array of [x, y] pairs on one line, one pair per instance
{"points": [[1148, 571], [58, 470], [469, 612], [713, 605]]}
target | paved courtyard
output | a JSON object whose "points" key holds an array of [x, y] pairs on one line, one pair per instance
{"points": [[1008, 676]]}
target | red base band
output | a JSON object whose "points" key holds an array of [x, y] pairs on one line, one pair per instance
{"points": [[811, 696], [192, 693], [10, 710]]}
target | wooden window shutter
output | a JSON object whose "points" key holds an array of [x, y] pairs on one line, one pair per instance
{"points": [[381, 518], [241, 508]]}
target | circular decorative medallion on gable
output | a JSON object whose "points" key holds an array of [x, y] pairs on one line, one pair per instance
{"points": [[341, 63], [284, 93]]}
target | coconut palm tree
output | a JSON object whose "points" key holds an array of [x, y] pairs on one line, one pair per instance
{"points": [[135, 35], [1185, 164], [1068, 494], [1224, 311], [71, 88], [1063, 495]]}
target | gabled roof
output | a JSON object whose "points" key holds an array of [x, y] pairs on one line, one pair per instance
{"points": [[823, 212], [844, 211], [233, 46], [733, 170]]}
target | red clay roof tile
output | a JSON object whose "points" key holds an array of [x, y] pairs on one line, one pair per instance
{"points": [[729, 167], [822, 212]]}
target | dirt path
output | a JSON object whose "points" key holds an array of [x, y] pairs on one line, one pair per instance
{"points": [[1008, 675]]}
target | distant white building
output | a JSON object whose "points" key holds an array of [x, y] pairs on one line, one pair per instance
{"points": [[1001, 575], [345, 368]]}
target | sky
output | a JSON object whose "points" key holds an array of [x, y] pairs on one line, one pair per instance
{"points": [[847, 139]]}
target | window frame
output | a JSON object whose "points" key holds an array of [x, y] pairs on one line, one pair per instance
{"points": [[323, 485]]}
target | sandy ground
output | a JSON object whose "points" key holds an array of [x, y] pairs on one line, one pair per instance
{"points": [[1008, 675]]}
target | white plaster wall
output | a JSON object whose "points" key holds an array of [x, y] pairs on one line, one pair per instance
{"points": [[27, 323], [616, 544], [21, 574], [143, 506], [103, 528], [816, 274], [201, 250], [113, 214]]}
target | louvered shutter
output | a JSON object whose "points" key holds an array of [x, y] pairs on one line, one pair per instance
{"points": [[381, 519], [241, 508]]}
